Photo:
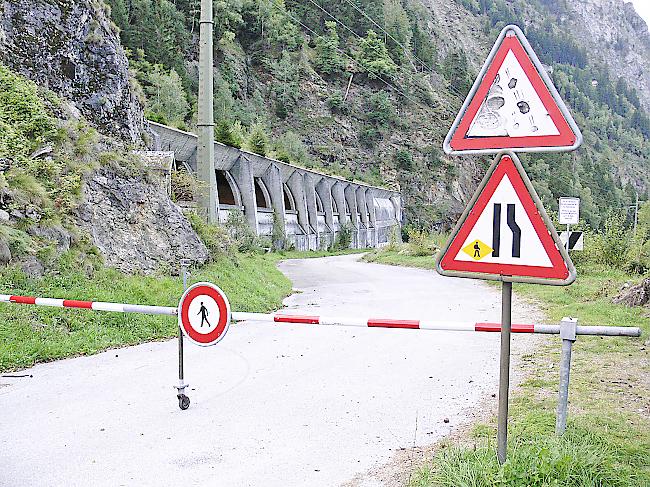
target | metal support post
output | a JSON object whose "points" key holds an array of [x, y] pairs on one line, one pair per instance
{"points": [[183, 400], [568, 327], [504, 373]]}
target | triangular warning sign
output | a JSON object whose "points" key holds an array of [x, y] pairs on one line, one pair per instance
{"points": [[513, 105], [505, 233]]}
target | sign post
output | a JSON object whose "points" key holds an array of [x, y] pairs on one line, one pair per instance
{"points": [[504, 233]]}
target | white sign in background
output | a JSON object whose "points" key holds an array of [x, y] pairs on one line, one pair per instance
{"points": [[569, 213]]}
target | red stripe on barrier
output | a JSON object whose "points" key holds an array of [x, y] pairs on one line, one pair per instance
{"points": [[384, 323], [496, 327], [71, 303], [22, 299], [311, 320]]}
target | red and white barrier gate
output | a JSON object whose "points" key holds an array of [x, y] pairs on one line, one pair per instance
{"points": [[204, 317]]}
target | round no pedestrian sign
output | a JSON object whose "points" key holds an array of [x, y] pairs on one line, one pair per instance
{"points": [[204, 314]]}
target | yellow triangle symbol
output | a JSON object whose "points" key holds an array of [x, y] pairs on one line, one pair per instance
{"points": [[477, 249]]}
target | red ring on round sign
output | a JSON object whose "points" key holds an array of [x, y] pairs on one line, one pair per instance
{"points": [[209, 289]]}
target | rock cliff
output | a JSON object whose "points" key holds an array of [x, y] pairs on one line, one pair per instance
{"points": [[72, 48]]}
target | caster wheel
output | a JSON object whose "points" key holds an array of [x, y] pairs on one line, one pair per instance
{"points": [[183, 401]]}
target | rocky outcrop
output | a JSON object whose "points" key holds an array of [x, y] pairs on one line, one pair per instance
{"points": [[135, 225], [72, 48], [614, 34], [637, 295]]}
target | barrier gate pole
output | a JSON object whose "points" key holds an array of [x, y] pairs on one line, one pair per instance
{"points": [[183, 400], [504, 373]]}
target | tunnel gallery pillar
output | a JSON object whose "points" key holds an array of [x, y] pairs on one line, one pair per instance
{"points": [[351, 198], [364, 228], [296, 185], [339, 198], [242, 173], [372, 216], [324, 190], [273, 182], [310, 198]]}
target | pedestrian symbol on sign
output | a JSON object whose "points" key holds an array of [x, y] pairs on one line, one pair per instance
{"points": [[477, 250], [204, 315]]}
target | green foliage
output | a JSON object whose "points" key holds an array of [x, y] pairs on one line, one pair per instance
{"points": [[455, 70], [218, 239], [328, 60], [398, 28], [373, 58], [344, 237], [403, 160], [38, 334], [165, 98], [278, 236], [244, 236], [379, 110], [286, 88], [420, 243], [184, 186], [289, 148], [226, 133], [335, 102], [25, 123], [257, 140]]}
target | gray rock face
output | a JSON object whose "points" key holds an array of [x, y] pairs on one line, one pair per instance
{"points": [[135, 225], [614, 33], [72, 48], [61, 237]]}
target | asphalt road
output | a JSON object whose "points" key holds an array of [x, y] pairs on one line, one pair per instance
{"points": [[272, 405]]}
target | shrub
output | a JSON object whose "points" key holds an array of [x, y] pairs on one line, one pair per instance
{"points": [[344, 237], [244, 236], [257, 140], [278, 237], [403, 160], [335, 102], [374, 59], [380, 111], [328, 60], [184, 186], [420, 244], [215, 237], [225, 133]]}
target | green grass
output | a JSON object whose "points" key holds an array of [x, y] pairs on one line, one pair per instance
{"points": [[32, 334], [607, 442]]}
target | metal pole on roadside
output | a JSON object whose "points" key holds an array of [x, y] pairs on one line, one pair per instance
{"points": [[568, 327], [504, 370], [183, 400]]}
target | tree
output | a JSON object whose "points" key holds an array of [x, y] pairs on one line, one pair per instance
{"points": [[455, 69], [328, 60], [374, 59], [165, 97], [257, 140], [286, 88], [397, 24], [224, 133]]}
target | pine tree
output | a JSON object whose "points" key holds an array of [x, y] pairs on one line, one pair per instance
{"points": [[328, 60], [257, 140], [165, 96], [374, 59]]}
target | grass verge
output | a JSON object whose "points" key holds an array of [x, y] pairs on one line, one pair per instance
{"points": [[32, 334], [607, 442]]}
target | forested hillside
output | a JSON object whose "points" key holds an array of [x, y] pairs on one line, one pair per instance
{"points": [[368, 89]]}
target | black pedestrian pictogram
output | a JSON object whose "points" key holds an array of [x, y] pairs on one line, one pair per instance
{"points": [[477, 250], [203, 311]]}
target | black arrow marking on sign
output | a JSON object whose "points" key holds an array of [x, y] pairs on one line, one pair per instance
{"points": [[573, 239], [496, 230], [516, 231]]}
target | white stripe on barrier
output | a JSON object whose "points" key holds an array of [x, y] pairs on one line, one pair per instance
{"points": [[100, 306], [57, 303], [334, 321], [5, 298], [448, 325]]}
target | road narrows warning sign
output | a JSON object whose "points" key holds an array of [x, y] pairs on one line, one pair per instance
{"points": [[505, 233], [513, 105], [204, 314]]}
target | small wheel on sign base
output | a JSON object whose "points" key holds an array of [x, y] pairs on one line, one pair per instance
{"points": [[183, 401]]}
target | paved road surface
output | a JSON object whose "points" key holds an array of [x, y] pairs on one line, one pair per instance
{"points": [[272, 405]]}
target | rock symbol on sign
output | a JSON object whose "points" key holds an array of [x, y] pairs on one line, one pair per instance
{"points": [[506, 211]]}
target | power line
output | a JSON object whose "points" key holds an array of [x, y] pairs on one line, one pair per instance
{"points": [[406, 51], [352, 59], [358, 36]]}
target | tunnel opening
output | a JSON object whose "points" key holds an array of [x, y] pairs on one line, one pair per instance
{"points": [[228, 194], [289, 202], [262, 198]]}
